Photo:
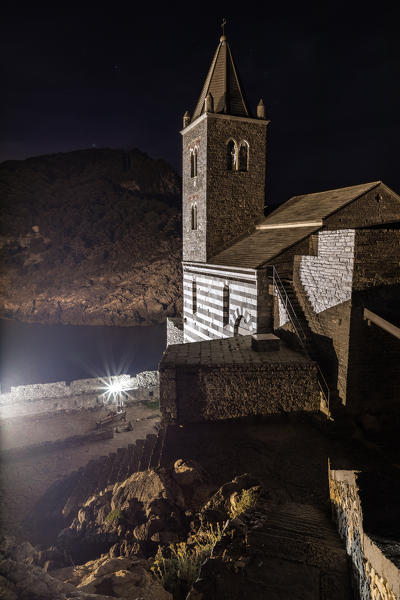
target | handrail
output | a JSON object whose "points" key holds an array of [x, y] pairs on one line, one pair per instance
{"points": [[381, 322], [285, 300]]}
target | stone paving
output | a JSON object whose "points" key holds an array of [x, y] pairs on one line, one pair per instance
{"points": [[225, 351]]}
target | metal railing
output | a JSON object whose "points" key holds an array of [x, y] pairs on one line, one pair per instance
{"points": [[302, 337]]}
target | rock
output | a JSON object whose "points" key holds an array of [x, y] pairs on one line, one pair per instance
{"points": [[146, 503], [187, 472], [92, 221], [118, 577], [217, 509], [25, 582]]}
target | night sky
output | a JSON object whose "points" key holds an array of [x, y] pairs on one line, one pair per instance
{"points": [[116, 77]]}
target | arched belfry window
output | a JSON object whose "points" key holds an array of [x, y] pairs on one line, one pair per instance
{"points": [[231, 155], [243, 156], [193, 161], [225, 305], [194, 216]]}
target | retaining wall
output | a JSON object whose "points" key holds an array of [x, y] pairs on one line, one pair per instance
{"points": [[174, 330], [375, 575], [82, 393]]}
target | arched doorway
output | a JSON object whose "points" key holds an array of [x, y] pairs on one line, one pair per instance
{"points": [[240, 327]]}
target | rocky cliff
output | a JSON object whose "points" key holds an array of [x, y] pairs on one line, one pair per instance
{"points": [[90, 237]]}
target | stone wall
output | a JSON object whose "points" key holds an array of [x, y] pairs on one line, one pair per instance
{"points": [[374, 366], [376, 577], [228, 202], [83, 393], [376, 207], [193, 394], [194, 192], [235, 199], [174, 330], [207, 321], [327, 278]]}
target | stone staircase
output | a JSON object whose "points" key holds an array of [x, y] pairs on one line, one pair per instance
{"points": [[304, 339], [301, 534], [290, 552], [306, 332], [67, 494]]}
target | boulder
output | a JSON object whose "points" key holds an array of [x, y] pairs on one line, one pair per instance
{"points": [[218, 508], [146, 504], [187, 473], [118, 577]]}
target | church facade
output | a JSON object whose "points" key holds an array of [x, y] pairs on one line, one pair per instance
{"points": [[309, 268]]}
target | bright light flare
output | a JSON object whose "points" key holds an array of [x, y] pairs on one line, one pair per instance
{"points": [[116, 390]]}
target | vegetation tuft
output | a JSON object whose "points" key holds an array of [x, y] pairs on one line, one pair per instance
{"points": [[152, 404], [246, 500], [177, 566], [115, 515]]}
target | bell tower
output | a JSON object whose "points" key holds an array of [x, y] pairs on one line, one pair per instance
{"points": [[224, 163]]}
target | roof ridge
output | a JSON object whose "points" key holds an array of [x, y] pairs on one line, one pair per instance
{"points": [[346, 187]]}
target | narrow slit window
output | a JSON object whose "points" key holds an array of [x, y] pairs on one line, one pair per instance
{"points": [[225, 304], [193, 162], [194, 296], [194, 216], [244, 156], [231, 156], [192, 165]]}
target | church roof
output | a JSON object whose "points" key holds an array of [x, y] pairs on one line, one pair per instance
{"points": [[261, 246], [316, 206], [290, 223], [222, 82]]}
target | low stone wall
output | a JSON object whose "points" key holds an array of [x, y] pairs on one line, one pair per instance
{"points": [[174, 330], [83, 393], [190, 394], [377, 578]]}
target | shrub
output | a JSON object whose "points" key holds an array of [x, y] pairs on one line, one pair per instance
{"points": [[115, 514], [177, 567], [247, 499]]}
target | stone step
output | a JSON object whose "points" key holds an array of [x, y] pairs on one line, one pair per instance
{"points": [[132, 460], [116, 465], [139, 450], [104, 465], [157, 450], [313, 552], [109, 466], [147, 451], [302, 530], [123, 464]]}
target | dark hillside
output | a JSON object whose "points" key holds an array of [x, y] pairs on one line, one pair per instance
{"points": [[90, 237]]}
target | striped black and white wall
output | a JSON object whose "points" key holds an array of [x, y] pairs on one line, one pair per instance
{"points": [[216, 299]]}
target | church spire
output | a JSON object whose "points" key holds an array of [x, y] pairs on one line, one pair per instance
{"points": [[222, 83]]}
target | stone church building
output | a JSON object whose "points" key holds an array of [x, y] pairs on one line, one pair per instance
{"points": [[322, 271]]}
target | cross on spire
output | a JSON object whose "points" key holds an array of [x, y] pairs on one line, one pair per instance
{"points": [[223, 26]]}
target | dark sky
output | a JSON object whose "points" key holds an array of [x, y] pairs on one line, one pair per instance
{"points": [[117, 77]]}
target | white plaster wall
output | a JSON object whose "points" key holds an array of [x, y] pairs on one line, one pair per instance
{"points": [[327, 278]]}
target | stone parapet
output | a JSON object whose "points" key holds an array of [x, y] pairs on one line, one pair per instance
{"points": [[376, 576], [83, 393], [226, 379]]}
